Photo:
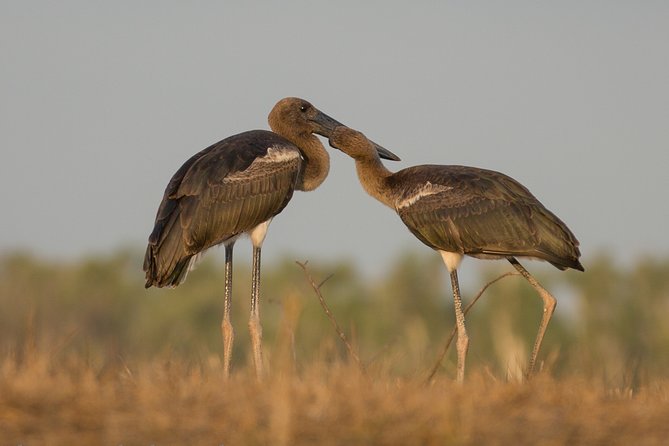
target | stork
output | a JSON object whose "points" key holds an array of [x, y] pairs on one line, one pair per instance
{"points": [[235, 187], [460, 210]]}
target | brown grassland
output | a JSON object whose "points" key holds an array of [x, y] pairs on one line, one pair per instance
{"points": [[173, 402], [90, 358]]}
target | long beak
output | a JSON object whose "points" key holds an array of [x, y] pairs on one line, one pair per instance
{"points": [[385, 153], [326, 125]]}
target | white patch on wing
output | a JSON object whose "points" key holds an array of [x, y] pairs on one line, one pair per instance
{"points": [[423, 191], [275, 156], [279, 154]]}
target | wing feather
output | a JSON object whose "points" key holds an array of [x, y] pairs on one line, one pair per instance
{"points": [[219, 193], [481, 213]]}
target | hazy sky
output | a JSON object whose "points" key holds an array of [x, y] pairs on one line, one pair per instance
{"points": [[101, 102]]}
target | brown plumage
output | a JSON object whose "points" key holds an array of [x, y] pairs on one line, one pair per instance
{"points": [[220, 193], [482, 213], [236, 187], [459, 210]]}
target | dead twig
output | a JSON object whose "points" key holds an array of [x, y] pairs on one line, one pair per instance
{"points": [[465, 311], [328, 313]]}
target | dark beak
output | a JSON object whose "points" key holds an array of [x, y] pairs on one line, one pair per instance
{"points": [[385, 153], [326, 125]]}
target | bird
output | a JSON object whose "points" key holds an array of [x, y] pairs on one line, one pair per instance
{"points": [[235, 187], [467, 211]]}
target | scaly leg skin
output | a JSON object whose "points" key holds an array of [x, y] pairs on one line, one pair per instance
{"points": [[226, 326], [549, 307], [462, 343], [255, 328]]}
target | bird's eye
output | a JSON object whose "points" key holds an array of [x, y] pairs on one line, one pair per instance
{"points": [[303, 108]]}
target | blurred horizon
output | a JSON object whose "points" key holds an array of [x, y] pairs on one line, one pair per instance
{"points": [[609, 322]]}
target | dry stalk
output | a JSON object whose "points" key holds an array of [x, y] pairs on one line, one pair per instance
{"points": [[466, 310], [328, 313]]}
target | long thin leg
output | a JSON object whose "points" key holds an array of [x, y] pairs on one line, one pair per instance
{"points": [[462, 343], [254, 321], [226, 325], [549, 307]]}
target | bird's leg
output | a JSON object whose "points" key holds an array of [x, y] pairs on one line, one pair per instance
{"points": [[254, 321], [549, 307], [226, 325], [462, 343]]}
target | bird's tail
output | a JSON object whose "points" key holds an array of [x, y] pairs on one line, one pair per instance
{"points": [[558, 244], [158, 275], [166, 261]]}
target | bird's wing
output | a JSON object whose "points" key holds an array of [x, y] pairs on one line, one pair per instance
{"points": [[481, 213], [221, 192], [225, 207], [235, 187]]}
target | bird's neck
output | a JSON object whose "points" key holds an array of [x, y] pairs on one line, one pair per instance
{"points": [[316, 163], [373, 176]]}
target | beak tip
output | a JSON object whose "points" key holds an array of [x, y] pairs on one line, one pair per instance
{"points": [[386, 154]]}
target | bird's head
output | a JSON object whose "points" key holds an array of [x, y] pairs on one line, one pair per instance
{"points": [[356, 145], [297, 116]]}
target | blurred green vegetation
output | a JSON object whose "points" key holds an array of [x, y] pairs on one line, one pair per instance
{"points": [[610, 323]]}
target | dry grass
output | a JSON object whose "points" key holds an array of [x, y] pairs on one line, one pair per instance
{"points": [[53, 392], [328, 403]]}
